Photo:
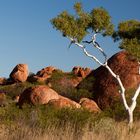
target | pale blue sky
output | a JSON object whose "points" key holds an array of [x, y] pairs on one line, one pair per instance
{"points": [[27, 36]]}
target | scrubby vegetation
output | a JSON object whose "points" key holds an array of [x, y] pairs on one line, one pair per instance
{"points": [[45, 122], [62, 83]]}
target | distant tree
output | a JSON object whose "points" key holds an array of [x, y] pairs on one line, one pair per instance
{"points": [[98, 21]]}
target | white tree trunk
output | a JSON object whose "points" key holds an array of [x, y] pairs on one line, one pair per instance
{"points": [[130, 114], [139, 67]]}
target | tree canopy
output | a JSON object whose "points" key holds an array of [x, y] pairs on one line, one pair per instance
{"points": [[129, 34], [80, 24]]}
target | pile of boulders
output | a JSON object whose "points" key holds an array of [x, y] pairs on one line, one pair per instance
{"points": [[43, 94], [105, 88]]}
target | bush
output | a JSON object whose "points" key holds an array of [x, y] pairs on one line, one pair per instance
{"points": [[87, 83], [77, 94], [15, 89]]}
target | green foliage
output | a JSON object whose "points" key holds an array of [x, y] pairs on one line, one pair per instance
{"points": [[58, 74], [62, 83], [15, 89], [129, 34], [11, 114], [129, 29], [101, 21], [76, 26], [117, 112], [78, 8], [87, 83], [72, 93], [132, 46], [73, 116], [44, 116], [77, 94]]}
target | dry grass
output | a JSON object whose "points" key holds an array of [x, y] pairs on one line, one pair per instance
{"points": [[106, 129]]}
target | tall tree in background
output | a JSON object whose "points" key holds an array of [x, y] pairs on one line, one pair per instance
{"points": [[98, 21]]}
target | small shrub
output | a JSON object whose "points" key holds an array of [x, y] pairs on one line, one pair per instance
{"points": [[87, 83], [15, 89], [77, 94]]}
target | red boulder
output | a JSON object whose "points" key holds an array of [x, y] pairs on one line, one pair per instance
{"points": [[37, 95]]}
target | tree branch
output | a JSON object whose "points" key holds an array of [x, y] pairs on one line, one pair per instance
{"points": [[96, 45], [85, 51], [133, 105], [88, 42]]}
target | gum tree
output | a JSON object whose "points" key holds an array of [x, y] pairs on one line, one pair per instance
{"points": [[98, 21]]}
